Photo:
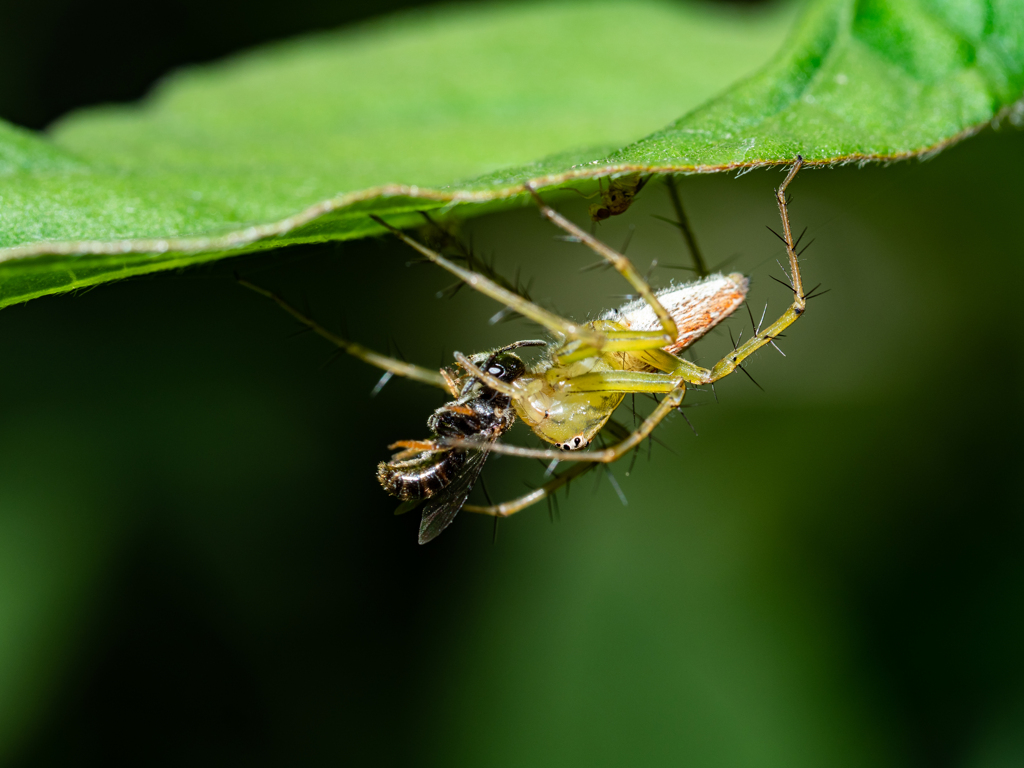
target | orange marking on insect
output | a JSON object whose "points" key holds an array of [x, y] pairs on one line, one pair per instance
{"points": [[450, 382], [414, 445]]}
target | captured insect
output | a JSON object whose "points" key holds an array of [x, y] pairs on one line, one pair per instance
{"points": [[430, 469], [566, 396], [618, 197]]}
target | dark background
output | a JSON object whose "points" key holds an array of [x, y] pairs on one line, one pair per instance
{"points": [[197, 565]]}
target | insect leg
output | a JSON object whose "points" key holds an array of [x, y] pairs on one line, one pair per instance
{"points": [[622, 264], [510, 299], [390, 364]]}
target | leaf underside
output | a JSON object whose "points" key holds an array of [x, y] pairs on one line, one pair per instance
{"points": [[298, 142]]}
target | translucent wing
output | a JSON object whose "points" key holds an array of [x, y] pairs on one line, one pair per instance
{"points": [[408, 506], [441, 509]]}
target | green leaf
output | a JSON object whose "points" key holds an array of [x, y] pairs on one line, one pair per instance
{"points": [[451, 108]]}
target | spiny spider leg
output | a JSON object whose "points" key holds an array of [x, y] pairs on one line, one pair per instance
{"points": [[491, 381], [507, 508], [679, 370], [683, 223], [488, 287], [732, 361], [586, 460], [624, 267], [605, 456], [390, 364], [584, 341]]}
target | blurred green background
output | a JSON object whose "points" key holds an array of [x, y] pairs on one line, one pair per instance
{"points": [[198, 566]]}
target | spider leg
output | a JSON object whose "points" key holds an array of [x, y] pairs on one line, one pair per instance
{"points": [[514, 301], [389, 364], [584, 341], [675, 373], [491, 381], [605, 456], [700, 267], [684, 370], [734, 359], [623, 266], [507, 508]]}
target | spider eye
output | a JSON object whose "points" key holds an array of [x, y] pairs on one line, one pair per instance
{"points": [[496, 370]]}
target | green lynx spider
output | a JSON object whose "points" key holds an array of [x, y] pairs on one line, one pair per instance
{"points": [[592, 366]]}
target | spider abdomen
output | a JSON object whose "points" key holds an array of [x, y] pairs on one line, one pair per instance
{"points": [[696, 308]]}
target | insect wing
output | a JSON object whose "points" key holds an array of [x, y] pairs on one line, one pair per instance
{"points": [[441, 509], [408, 506]]}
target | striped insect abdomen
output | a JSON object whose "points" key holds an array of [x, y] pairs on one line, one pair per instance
{"points": [[421, 476]]}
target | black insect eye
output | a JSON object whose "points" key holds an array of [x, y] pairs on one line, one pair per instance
{"points": [[576, 442]]}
